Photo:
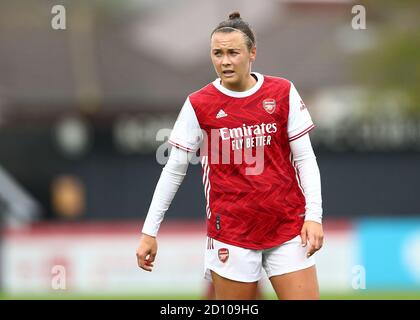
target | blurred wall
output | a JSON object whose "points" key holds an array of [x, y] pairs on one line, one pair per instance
{"points": [[88, 101]]}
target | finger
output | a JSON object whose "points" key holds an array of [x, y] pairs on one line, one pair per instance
{"points": [[321, 241], [152, 257], [311, 249], [149, 260], [147, 267], [318, 242], [141, 259], [304, 238]]}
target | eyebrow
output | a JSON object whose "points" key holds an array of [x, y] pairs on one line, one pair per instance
{"points": [[230, 49]]}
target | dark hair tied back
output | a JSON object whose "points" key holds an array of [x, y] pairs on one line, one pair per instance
{"points": [[235, 22], [234, 15]]}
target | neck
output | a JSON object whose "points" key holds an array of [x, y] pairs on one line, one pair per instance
{"points": [[244, 85]]}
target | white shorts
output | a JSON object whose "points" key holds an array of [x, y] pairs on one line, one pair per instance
{"points": [[246, 265]]}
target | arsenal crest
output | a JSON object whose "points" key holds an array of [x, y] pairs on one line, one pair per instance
{"points": [[223, 254], [269, 105]]}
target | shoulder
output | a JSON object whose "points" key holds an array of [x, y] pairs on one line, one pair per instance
{"points": [[203, 97], [207, 90], [278, 82]]}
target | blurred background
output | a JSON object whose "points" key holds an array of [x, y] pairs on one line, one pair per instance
{"points": [[84, 92]]}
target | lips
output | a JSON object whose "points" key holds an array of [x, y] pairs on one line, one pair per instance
{"points": [[228, 73]]}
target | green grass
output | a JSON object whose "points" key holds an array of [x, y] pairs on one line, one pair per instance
{"points": [[359, 295], [373, 295], [75, 296]]}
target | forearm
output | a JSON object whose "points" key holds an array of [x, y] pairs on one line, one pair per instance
{"points": [[309, 175], [170, 179]]}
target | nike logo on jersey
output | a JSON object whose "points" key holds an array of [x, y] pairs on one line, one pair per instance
{"points": [[221, 114]]}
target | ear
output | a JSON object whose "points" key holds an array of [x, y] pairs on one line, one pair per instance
{"points": [[253, 53]]}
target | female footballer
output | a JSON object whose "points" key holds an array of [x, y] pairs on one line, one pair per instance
{"points": [[261, 179]]}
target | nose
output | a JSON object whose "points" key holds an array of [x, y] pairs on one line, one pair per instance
{"points": [[225, 60]]}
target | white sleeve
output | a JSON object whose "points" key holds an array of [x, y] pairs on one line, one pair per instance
{"points": [[170, 179], [299, 120], [307, 168], [186, 133]]}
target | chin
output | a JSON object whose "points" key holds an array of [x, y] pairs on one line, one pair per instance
{"points": [[231, 81]]}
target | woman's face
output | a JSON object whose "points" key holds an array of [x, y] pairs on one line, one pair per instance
{"points": [[231, 58]]}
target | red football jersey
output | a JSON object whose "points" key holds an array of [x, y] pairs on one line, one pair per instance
{"points": [[254, 199]]}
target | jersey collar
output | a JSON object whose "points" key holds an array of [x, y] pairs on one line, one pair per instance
{"points": [[240, 94]]}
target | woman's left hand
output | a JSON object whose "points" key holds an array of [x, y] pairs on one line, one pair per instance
{"points": [[312, 232]]}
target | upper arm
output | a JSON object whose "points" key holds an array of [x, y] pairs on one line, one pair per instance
{"points": [[299, 120], [186, 133]]}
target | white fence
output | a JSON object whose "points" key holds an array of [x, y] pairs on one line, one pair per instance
{"points": [[101, 259]]}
